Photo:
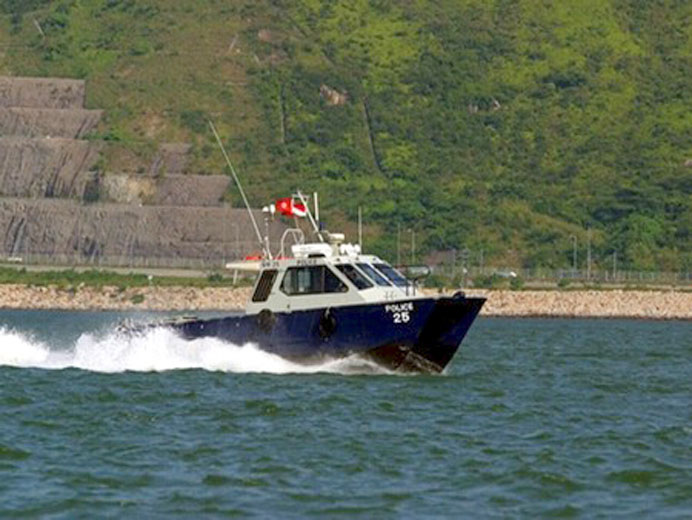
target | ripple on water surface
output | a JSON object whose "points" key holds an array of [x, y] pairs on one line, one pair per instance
{"points": [[534, 418]]}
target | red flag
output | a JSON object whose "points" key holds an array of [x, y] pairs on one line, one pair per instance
{"points": [[287, 207], [299, 210], [283, 206]]}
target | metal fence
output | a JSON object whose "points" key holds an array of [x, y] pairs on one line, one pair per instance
{"points": [[214, 260], [209, 262], [467, 276]]}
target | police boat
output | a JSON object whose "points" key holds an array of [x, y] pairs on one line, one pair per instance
{"points": [[331, 301], [323, 298]]}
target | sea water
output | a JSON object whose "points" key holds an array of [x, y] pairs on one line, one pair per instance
{"points": [[533, 418]]}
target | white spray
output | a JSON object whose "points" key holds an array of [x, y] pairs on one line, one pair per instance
{"points": [[157, 350]]}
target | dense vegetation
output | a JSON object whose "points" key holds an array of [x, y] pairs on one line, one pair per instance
{"points": [[507, 128]]}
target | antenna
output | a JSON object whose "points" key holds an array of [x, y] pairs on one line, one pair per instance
{"points": [[262, 242], [360, 227]]}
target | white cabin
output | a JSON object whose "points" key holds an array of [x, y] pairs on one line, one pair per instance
{"points": [[325, 275]]}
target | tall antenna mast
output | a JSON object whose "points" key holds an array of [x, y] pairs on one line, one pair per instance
{"points": [[262, 242]]}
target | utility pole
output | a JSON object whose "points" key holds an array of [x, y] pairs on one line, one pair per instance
{"points": [[413, 246], [615, 265], [226, 221], [238, 253], [398, 244], [465, 255], [77, 257], [588, 253], [360, 227], [574, 253]]}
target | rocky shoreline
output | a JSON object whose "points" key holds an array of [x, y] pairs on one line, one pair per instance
{"points": [[664, 305], [652, 305]]}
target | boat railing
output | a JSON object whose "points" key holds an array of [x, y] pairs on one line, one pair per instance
{"points": [[298, 238], [414, 275]]}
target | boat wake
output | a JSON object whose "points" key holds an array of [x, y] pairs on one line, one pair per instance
{"points": [[158, 350]]}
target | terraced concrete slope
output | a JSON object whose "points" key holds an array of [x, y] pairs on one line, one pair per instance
{"points": [[47, 230], [48, 122], [48, 173], [190, 190], [36, 168], [42, 93], [42, 123]]}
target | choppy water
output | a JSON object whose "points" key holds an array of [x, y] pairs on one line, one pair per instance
{"points": [[534, 418]]}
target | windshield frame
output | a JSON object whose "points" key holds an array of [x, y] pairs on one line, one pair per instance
{"points": [[369, 284], [391, 274], [375, 276]]}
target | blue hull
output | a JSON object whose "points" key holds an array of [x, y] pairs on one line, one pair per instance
{"points": [[417, 335]]}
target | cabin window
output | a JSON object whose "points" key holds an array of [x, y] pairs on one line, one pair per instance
{"points": [[311, 280], [393, 275], [264, 285], [355, 276], [374, 275]]}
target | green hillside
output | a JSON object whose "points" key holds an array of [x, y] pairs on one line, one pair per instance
{"points": [[504, 127]]}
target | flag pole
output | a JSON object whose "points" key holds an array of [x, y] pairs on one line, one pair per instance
{"points": [[316, 228]]}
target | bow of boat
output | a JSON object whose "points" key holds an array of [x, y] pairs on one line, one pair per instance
{"points": [[438, 340]]}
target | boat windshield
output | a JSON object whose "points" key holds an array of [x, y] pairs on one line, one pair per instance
{"points": [[394, 275], [374, 275], [356, 277]]}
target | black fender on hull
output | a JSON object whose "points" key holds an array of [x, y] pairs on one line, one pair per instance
{"points": [[327, 324]]}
